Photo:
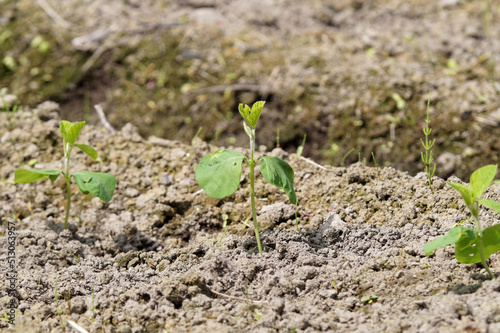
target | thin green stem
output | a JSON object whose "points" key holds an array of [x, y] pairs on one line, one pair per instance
{"points": [[68, 204], [252, 163], [252, 198], [475, 214], [67, 177], [428, 156]]}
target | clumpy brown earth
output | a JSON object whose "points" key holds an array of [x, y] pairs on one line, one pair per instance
{"points": [[155, 258], [350, 74]]}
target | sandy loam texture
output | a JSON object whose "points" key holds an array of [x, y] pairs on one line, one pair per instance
{"points": [[155, 259]]}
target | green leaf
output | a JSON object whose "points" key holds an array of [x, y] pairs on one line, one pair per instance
{"points": [[466, 192], [453, 236], [251, 116], [88, 150], [70, 131], [491, 240], [491, 204], [26, 176], [99, 184], [219, 174], [482, 178], [467, 249], [280, 174]]}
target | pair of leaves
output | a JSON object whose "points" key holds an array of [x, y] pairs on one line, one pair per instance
{"points": [[479, 182], [70, 133], [252, 115], [219, 174], [466, 243], [465, 239], [101, 185]]}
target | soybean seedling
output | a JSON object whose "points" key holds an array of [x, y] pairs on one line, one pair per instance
{"points": [[99, 184], [219, 173], [473, 245]]}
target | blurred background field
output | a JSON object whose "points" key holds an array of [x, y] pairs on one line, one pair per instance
{"points": [[354, 76]]}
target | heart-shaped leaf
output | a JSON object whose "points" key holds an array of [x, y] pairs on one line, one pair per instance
{"points": [[70, 131], [280, 174], [99, 184], [88, 150], [219, 174], [251, 116], [467, 249], [26, 176], [482, 178]]}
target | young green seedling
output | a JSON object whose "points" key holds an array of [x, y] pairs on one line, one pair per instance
{"points": [[99, 184], [428, 157], [473, 245], [369, 299], [300, 148], [219, 173]]}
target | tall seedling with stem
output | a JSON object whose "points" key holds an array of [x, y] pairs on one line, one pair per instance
{"points": [[473, 245], [219, 173], [99, 184], [428, 156]]}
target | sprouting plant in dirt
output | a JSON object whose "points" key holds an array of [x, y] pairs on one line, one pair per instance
{"points": [[56, 299], [342, 163], [219, 173], [6, 317], [99, 184], [225, 217], [428, 155], [369, 299], [300, 148], [473, 245]]}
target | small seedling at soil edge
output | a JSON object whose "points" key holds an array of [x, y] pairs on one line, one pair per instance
{"points": [[99, 184], [56, 299], [301, 147], [428, 156], [473, 245], [369, 299], [342, 163], [219, 173], [224, 227]]}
